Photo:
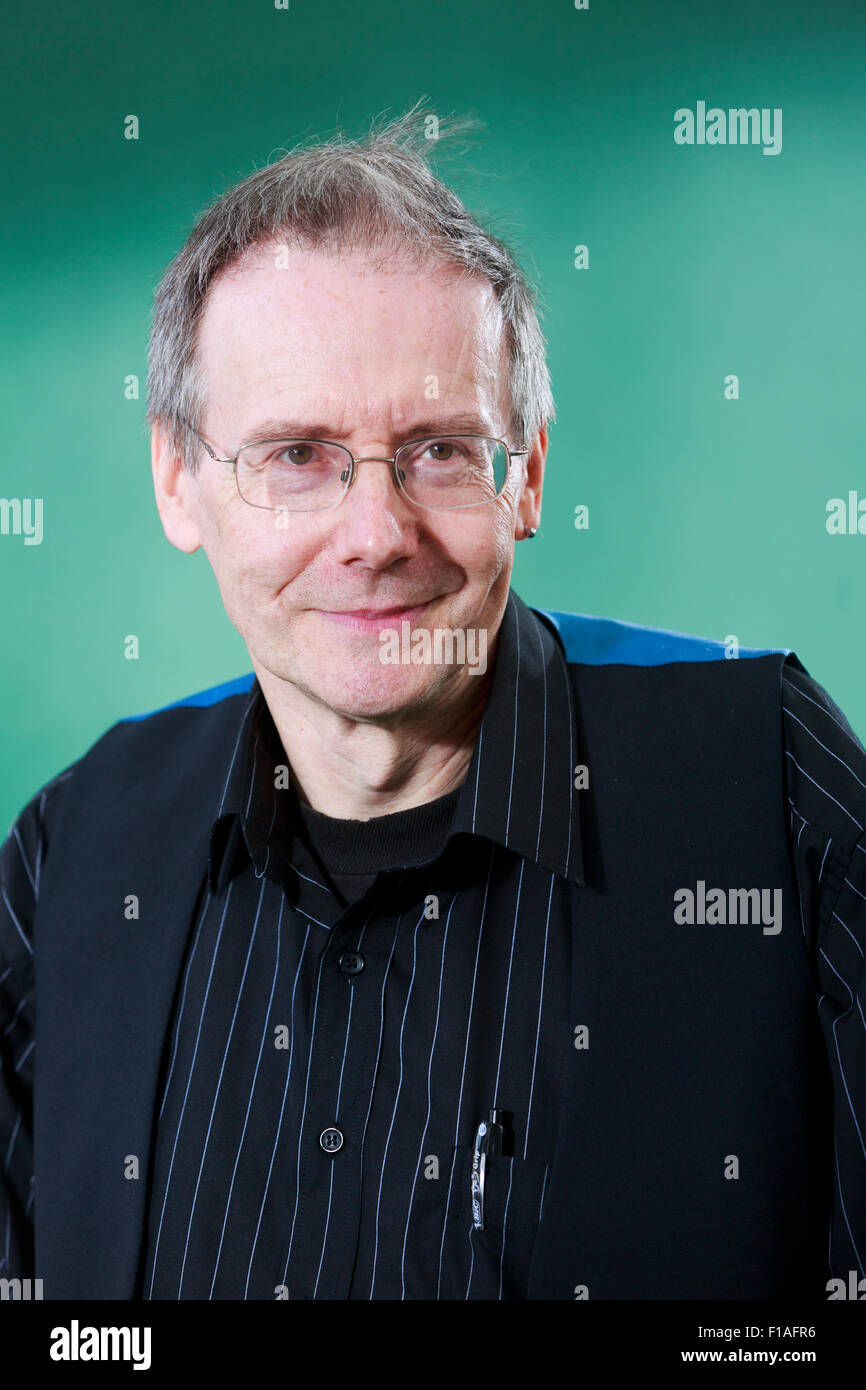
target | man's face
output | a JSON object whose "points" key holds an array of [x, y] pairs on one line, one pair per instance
{"points": [[356, 355]]}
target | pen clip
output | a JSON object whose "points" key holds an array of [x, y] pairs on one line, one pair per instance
{"points": [[479, 1164], [489, 1139]]}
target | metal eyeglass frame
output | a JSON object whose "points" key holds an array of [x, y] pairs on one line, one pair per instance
{"points": [[353, 468]]}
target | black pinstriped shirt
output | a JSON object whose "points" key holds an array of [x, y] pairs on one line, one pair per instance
{"points": [[683, 1091]]}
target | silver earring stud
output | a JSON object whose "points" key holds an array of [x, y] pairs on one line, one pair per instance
{"points": [[528, 532]]}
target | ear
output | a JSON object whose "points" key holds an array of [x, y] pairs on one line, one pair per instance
{"points": [[529, 506], [174, 487]]}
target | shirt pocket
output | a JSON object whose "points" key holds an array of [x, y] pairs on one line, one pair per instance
{"points": [[494, 1262]]}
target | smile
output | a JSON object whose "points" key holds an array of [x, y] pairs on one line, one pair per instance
{"points": [[370, 619]]}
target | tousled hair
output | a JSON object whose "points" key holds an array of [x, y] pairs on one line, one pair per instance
{"points": [[375, 193]]}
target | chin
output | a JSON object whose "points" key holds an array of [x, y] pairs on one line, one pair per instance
{"points": [[374, 696]]}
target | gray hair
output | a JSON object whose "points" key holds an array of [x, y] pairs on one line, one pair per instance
{"points": [[377, 191]]}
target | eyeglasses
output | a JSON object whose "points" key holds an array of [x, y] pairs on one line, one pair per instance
{"points": [[314, 475]]}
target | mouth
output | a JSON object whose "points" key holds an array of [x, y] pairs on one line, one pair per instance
{"points": [[371, 619]]}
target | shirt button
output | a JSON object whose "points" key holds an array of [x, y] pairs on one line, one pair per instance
{"points": [[331, 1140], [352, 962]]}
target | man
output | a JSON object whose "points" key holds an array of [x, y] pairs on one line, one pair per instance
{"points": [[461, 950]]}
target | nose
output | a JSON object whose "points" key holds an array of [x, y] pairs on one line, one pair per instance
{"points": [[374, 522]]}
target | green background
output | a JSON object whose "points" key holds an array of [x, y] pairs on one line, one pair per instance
{"points": [[706, 515]]}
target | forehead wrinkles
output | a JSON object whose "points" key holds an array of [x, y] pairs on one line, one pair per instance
{"points": [[472, 348]]}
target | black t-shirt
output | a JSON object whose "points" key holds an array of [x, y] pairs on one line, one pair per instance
{"points": [[353, 851]]}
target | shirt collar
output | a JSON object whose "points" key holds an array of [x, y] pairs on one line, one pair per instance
{"points": [[519, 788]]}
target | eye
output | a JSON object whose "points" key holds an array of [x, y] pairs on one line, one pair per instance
{"points": [[439, 451], [446, 447], [296, 453]]}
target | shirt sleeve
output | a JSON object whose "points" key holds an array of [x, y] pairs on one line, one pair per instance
{"points": [[826, 785], [22, 856]]}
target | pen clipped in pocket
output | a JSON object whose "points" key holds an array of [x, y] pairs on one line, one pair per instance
{"points": [[513, 1190], [500, 1251]]}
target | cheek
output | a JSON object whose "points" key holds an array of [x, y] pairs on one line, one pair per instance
{"points": [[501, 536], [251, 555], [258, 568], [480, 545]]}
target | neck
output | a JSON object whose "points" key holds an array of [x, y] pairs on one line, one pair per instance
{"points": [[357, 769]]}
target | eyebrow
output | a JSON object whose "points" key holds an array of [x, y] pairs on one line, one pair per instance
{"points": [[463, 423]]}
